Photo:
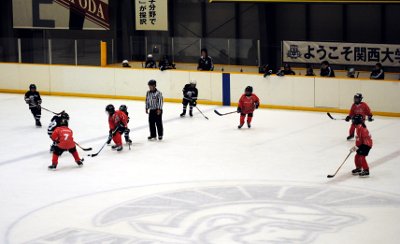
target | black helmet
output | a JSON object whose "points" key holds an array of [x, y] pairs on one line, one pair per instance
{"points": [[358, 98], [123, 108], [110, 109], [152, 82], [248, 89], [64, 122], [32, 86], [357, 119], [64, 115]]}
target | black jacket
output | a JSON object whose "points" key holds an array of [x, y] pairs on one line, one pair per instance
{"points": [[206, 64], [150, 64], [328, 72], [377, 74]]}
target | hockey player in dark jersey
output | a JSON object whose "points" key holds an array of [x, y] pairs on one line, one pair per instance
{"points": [[190, 94], [124, 109], [33, 99], [54, 123]]}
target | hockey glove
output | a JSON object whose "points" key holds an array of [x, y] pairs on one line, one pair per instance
{"points": [[370, 119], [121, 129], [239, 110], [353, 149], [348, 118], [194, 103], [257, 105], [110, 135]]}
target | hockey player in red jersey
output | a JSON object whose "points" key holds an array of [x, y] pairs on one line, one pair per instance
{"points": [[362, 147], [117, 121], [124, 109], [247, 104], [63, 136], [361, 108]]}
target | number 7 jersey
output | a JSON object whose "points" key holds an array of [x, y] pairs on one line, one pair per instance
{"points": [[64, 137]]}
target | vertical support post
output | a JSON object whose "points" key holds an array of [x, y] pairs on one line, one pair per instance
{"points": [[259, 53], [200, 46], [50, 52], [76, 52], [112, 51], [19, 50], [173, 49], [103, 53], [229, 52], [130, 48], [145, 46]]}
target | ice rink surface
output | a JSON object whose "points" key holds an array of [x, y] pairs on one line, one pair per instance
{"points": [[206, 182]]}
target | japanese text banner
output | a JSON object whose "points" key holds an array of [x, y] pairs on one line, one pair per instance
{"points": [[341, 53], [151, 15]]}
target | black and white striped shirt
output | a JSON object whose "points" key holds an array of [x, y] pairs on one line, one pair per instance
{"points": [[154, 100]]}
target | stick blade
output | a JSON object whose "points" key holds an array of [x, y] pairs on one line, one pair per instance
{"points": [[330, 116], [330, 176], [215, 111]]}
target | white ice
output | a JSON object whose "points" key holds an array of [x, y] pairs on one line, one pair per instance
{"points": [[206, 182]]}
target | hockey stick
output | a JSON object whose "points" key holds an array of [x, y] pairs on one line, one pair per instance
{"points": [[348, 155], [48, 110], [95, 154], [215, 111], [330, 116], [84, 149], [191, 100], [201, 113], [199, 99]]}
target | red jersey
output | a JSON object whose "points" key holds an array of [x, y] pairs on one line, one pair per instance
{"points": [[248, 103], [117, 118], [363, 136], [64, 137], [361, 108]]}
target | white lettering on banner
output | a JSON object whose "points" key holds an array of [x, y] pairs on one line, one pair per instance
{"points": [[341, 53], [84, 6], [100, 12]]}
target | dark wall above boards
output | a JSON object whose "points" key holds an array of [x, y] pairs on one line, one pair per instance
{"points": [[191, 20]]}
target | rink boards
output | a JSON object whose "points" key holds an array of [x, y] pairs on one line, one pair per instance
{"points": [[289, 92]]}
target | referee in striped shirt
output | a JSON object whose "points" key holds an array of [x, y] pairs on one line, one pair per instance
{"points": [[154, 104]]}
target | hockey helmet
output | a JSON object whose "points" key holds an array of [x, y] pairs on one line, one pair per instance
{"points": [[123, 108], [32, 86], [248, 90], [193, 82], [358, 98], [64, 122], [110, 109], [64, 115]]}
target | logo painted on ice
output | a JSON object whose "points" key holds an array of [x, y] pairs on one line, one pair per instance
{"points": [[241, 212], [294, 52]]}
